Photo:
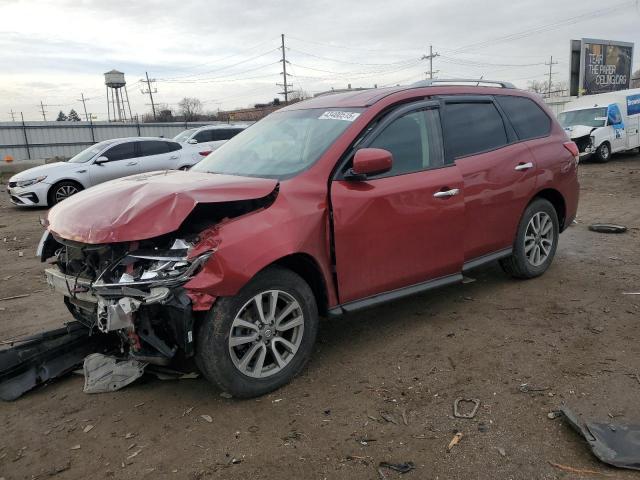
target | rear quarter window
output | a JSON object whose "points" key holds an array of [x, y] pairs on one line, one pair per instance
{"points": [[528, 119], [472, 128]]}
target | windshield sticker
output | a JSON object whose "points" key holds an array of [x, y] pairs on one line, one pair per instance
{"points": [[600, 118], [336, 115]]}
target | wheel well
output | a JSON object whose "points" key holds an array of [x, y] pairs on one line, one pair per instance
{"points": [[58, 183], [557, 200], [306, 266]]}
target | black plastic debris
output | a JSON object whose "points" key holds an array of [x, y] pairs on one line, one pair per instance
{"points": [[607, 228], [37, 359], [398, 467], [615, 444]]}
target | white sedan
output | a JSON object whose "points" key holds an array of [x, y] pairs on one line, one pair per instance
{"points": [[49, 184], [201, 141]]}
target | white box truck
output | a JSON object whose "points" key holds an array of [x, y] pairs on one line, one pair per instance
{"points": [[604, 124]]}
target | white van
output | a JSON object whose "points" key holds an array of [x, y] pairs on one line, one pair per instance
{"points": [[603, 124]]}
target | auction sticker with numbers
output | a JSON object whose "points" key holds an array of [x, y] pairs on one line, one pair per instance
{"points": [[337, 115]]}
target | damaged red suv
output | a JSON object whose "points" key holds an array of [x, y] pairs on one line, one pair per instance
{"points": [[322, 208]]}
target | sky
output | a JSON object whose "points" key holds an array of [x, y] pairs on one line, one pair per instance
{"points": [[226, 53]]}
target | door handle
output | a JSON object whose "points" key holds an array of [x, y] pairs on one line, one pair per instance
{"points": [[447, 193], [173, 157], [131, 164], [524, 166]]}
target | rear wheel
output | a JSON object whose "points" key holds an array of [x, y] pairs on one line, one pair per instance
{"points": [[258, 340], [603, 153], [62, 190], [536, 241]]}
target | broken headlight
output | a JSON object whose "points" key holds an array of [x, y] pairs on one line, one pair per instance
{"points": [[153, 267]]}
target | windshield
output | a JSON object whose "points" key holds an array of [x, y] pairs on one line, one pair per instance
{"points": [[89, 153], [184, 136], [590, 117], [280, 145]]}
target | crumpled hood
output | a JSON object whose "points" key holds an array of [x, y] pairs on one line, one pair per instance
{"points": [[577, 131], [146, 205], [41, 170]]}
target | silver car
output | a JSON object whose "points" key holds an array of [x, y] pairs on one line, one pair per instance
{"points": [[49, 184]]}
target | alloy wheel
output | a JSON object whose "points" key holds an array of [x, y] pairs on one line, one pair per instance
{"points": [[266, 333], [538, 239], [65, 191]]}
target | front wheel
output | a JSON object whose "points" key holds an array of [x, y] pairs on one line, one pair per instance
{"points": [[536, 241], [258, 340], [62, 190], [603, 153]]}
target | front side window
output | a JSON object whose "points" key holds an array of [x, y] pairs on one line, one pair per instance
{"points": [[280, 145], [184, 136], [203, 136], [414, 142], [122, 151], [88, 153], [472, 128], [528, 119]]}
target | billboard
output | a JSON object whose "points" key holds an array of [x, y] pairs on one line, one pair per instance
{"points": [[599, 66]]}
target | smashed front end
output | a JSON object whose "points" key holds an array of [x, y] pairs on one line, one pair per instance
{"points": [[133, 289]]}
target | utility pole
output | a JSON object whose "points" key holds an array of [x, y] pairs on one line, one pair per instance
{"points": [[285, 85], [150, 91], [551, 64], [44, 117], [13, 115], [430, 57], [83, 100]]}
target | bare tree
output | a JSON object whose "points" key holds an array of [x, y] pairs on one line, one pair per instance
{"points": [[558, 89], [635, 79], [190, 108], [537, 86]]}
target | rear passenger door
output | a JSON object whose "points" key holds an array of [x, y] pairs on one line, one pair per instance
{"points": [[498, 172], [158, 155]]}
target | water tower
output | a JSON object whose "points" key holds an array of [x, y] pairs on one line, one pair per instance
{"points": [[117, 96]]}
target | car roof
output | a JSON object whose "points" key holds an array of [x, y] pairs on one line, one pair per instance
{"points": [[213, 127], [366, 98], [137, 139]]}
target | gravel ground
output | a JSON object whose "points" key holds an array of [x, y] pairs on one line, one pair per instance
{"points": [[381, 383]]}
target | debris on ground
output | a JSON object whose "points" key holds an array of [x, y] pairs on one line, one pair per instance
{"points": [[554, 414], [398, 467], [455, 440], [387, 417], [15, 297], [502, 451], [105, 373], [526, 388], [470, 414], [615, 444], [207, 418], [607, 228], [87, 429], [580, 471]]}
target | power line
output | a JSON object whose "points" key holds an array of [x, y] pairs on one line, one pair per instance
{"points": [[348, 62]]}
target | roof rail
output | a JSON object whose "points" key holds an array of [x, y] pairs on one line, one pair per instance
{"points": [[460, 81]]}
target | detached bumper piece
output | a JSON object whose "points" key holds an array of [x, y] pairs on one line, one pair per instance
{"points": [[615, 444], [40, 358]]}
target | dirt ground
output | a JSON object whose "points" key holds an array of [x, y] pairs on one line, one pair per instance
{"points": [[571, 332]]}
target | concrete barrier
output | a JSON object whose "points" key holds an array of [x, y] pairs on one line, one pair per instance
{"points": [[11, 168]]}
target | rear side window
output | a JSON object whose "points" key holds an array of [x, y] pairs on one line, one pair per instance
{"points": [[152, 147], [528, 119], [122, 151], [225, 133], [472, 128], [173, 146]]}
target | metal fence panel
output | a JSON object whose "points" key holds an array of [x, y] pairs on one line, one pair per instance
{"points": [[42, 140]]}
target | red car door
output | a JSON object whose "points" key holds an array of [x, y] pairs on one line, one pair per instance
{"points": [[403, 227], [498, 173]]}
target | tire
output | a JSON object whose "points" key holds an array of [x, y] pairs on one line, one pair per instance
{"points": [[61, 190], [185, 168], [223, 364], [603, 153], [523, 262]]}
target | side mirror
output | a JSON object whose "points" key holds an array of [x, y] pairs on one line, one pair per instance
{"points": [[370, 161], [101, 160], [192, 141]]}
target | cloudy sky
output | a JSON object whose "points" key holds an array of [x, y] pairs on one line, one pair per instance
{"points": [[226, 52]]}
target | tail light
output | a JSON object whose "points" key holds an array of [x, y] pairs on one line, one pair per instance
{"points": [[573, 149], [207, 152]]}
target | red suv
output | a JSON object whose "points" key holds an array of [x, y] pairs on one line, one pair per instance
{"points": [[324, 207]]}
